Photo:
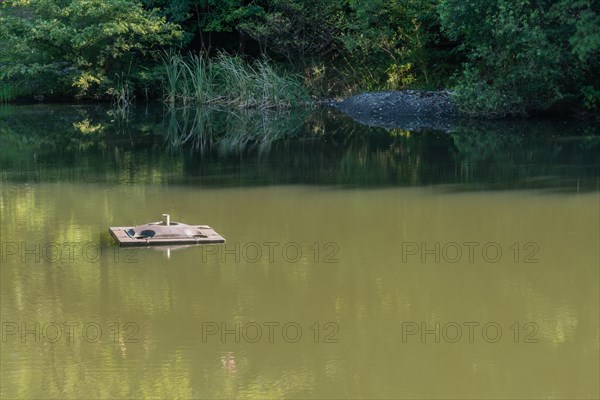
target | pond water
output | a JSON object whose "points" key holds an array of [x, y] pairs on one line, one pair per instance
{"points": [[360, 262]]}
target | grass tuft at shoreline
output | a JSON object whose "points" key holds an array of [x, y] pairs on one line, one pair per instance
{"points": [[230, 81]]}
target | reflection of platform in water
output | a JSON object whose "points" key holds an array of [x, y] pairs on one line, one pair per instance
{"points": [[165, 232]]}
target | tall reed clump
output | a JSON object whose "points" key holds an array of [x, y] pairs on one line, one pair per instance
{"points": [[172, 80], [8, 92], [121, 92], [229, 80], [199, 77]]}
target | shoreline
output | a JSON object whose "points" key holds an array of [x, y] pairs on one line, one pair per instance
{"points": [[405, 109]]}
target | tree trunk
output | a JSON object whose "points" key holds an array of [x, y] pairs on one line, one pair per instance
{"points": [[242, 43]]}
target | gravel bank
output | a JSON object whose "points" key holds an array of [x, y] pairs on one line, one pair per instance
{"points": [[408, 109]]}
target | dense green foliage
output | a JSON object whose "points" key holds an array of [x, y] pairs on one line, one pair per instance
{"points": [[502, 57], [78, 47], [525, 56]]}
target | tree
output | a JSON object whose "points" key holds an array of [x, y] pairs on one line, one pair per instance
{"points": [[82, 47], [295, 29], [392, 35], [201, 18], [523, 56]]}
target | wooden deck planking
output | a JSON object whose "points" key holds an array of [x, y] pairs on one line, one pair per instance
{"points": [[120, 235]]}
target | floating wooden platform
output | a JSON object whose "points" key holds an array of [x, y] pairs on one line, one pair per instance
{"points": [[165, 233]]}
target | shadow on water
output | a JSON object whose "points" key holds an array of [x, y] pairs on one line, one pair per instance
{"points": [[205, 146]]}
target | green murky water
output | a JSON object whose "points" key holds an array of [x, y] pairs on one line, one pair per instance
{"points": [[360, 262]]}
